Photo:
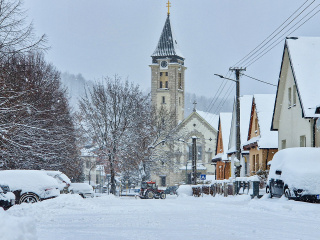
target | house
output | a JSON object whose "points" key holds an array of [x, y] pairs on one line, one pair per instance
{"points": [[245, 110], [296, 109], [223, 168], [262, 143], [201, 125], [89, 158]]}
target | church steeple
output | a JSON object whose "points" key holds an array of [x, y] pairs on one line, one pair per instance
{"points": [[167, 45], [168, 73]]}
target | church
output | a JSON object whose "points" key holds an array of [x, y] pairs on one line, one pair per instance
{"points": [[168, 90]]}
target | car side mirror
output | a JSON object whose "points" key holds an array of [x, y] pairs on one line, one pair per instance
{"points": [[278, 172]]}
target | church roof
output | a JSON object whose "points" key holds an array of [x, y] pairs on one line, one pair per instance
{"points": [[167, 45]]}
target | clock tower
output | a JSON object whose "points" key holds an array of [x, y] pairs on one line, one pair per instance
{"points": [[168, 73]]}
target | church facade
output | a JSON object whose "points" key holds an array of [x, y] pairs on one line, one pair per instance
{"points": [[168, 90]]}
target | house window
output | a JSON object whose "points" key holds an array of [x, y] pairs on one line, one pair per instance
{"points": [[160, 84], [253, 163], [163, 99], [88, 164], [167, 74], [302, 141], [283, 144], [256, 125], [257, 163], [163, 181], [294, 94], [167, 86], [289, 97]]}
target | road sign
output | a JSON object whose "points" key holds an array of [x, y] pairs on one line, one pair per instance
{"points": [[202, 177]]}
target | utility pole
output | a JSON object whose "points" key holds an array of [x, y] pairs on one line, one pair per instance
{"points": [[238, 141], [194, 161]]}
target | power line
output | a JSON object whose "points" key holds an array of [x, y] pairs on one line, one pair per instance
{"points": [[275, 43], [259, 80], [265, 42]]}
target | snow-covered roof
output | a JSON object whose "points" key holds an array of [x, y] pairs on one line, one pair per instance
{"points": [[225, 121], [304, 53], [88, 152], [189, 167], [210, 118], [245, 113], [167, 45], [264, 107]]}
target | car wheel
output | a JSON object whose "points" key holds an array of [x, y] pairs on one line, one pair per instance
{"points": [[149, 195], [29, 198], [287, 193], [270, 193], [163, 195]]}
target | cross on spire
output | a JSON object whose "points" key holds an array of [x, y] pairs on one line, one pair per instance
{"points": [[194, 106], [168, 5]]}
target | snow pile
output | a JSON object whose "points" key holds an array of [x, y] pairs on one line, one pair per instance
{"points": [[300, 168], [16, 228], [184, 190]]}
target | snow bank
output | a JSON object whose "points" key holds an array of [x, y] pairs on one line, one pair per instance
{"points": [[300, 168], [16, 228], [184, 190]]}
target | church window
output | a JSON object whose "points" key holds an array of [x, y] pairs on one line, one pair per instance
{"points": [[163, 181], [161, 74], [180, 81], [166, 73], [160, 84], [167, 84], [163, 99], [179, 101]]}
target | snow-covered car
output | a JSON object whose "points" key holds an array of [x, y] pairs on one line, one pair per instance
{"points": [[30, 186], [7, 198], [294, 172], [83, 189], [62, 180]]}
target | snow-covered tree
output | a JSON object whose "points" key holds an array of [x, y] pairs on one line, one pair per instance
{"points": [[36, 128], [15, 34], [110, 114]]}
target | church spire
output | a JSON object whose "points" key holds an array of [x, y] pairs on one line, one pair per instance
{"points": [[167, 45]]}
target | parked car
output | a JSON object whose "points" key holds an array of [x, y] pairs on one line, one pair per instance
{"points": [[172, 190], [83, 189], [7, 198], [62, 180], [30, 186], [294, 172]]}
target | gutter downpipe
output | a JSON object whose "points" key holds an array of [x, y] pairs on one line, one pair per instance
{"points": [[314, 132]]}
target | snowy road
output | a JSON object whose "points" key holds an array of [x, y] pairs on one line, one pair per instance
{"points": [[108, 217]]}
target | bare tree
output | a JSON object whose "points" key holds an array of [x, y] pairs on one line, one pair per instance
{"points": [[15, 34], [110, 112]]}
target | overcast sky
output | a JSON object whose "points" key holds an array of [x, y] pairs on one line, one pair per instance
{"points": [[102, 37]]}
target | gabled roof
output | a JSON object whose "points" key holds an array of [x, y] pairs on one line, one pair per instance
{"points": [[245, 110], [304, 59], [167, 45], [264, 108], [211, 120], [224, 126]]}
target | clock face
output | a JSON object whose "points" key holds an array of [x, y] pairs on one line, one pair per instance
{"points": [[164, 64]]}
